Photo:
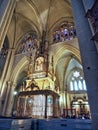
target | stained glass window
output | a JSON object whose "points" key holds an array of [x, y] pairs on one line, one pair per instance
{"points": [[28, 43], [65, 31]]}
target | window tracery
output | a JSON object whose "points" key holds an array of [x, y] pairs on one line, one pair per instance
{"points": [[65, 31], [77, 82], [28, 43]]}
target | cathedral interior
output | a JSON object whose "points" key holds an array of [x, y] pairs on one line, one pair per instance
{"points": [[41, 71]]}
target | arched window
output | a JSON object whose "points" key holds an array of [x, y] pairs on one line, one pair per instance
{"points": [[77, 82], [65, 31], [28, 43]]}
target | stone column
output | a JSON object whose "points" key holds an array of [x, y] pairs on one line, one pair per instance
{"points": [[59, 112], [6, 12], [4, 70], [7, 69], [6, 77], [9, 100], [66, 100], [10, 64], [46, 106], [7, 96], [89, 57], [3, 83], [54, 106], [25, 103]]}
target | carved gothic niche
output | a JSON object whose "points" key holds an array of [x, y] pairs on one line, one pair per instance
{"points": [[39, 64]]}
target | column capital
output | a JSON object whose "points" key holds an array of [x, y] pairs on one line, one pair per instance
{"points": [[12, 49], [8, 82], [14, 84]]}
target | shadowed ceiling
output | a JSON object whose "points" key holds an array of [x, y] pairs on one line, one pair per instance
{"points": [[41, 15]]}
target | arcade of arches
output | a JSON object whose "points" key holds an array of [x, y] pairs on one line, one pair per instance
{"points": [[41, 73]]}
